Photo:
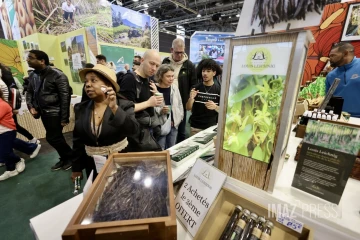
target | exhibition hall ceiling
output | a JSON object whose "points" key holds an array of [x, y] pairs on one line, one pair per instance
{"points": [[193, 15]]}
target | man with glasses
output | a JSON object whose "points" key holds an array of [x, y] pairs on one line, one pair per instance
{"points": [[48, 97], [184, 77]]}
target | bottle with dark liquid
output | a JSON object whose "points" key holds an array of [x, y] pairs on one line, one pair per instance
{"points": [[249, 227], [236, 234], [256, 232], [266, 235], [231, 223]]}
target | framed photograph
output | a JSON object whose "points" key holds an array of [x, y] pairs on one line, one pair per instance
{"points": [[351, 30]]}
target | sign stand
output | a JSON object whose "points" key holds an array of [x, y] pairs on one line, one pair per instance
{"points": [[245, 168]]}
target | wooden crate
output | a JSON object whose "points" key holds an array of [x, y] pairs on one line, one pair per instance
{"points": [[161, 228], [221, 210]]}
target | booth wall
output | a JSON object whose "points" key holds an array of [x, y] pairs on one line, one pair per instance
{"points": [[26, 40], [326, 34], [76, 85]]}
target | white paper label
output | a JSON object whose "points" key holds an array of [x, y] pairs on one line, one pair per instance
{"points": [[99, 162], [88, 183], [197, 194], [290, 222]]}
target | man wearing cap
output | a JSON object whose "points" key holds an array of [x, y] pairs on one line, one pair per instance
{"points": [[48, 97]]}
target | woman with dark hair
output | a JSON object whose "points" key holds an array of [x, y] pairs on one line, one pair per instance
{"points": [[205, 97], [103, 123], [173, 109]]}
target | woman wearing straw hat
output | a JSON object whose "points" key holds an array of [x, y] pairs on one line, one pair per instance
{"points": [[103, 123]]}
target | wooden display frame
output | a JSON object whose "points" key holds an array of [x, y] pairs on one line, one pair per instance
{"points": [[256, 173], [161, 228], [222, 208]]}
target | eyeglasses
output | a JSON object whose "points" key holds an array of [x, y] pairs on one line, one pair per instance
{"points": [[31, 58], [179, 53]]}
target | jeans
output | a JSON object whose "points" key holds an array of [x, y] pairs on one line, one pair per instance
{"points": [[169, 140], [22, 130], [68, 15], [55, 137], [24, 147], [182, 129], [6, 150]]}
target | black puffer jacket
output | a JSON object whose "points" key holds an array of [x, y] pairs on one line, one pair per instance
{"points": [[187, 79], [49, 93]]}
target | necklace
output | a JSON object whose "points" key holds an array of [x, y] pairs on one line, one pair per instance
{"points": [[207, 90]]}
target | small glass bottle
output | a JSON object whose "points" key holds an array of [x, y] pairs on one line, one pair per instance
{"points": [[231, 223], [256, 232], [318, 116], [314, 114], [249, 227], [240, 225], [266, 234]]}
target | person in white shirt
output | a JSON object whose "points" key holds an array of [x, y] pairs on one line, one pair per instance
{"points": [[68, 10]]}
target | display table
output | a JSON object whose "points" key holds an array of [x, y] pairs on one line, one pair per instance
{"points": [[57, 218], [35, 126]]}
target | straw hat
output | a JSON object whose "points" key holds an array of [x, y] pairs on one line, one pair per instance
{"points": [[106, 72]]}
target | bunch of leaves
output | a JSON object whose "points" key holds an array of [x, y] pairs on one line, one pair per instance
{"points": [[252, 114]]}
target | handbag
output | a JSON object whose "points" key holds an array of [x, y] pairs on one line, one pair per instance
{"points": [[166, 127]]}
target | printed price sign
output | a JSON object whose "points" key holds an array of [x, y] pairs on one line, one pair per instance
{"points": [[289, 222], [197, 194]]}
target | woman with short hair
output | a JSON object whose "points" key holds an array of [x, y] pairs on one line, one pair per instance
{"points": [[173, 110]]}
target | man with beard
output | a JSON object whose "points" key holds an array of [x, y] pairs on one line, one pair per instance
{"points": [[139, 88], [184, 77], [347, 68], [48, 97]]}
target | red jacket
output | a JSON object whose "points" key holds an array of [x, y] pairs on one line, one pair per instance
{"points": [[6, 114]]}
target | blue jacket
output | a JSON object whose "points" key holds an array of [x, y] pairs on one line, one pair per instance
{"points": [[349, 86]]}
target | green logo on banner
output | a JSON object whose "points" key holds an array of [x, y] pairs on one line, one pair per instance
{"points": [[259, 59]]}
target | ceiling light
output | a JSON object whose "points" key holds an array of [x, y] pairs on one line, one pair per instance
{"points": [[135, 0], [238, 15], [219, 18], [154, 11], [166, 22], [199, 15], [146, 5], [229, 16]]}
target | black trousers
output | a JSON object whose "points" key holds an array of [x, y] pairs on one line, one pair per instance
{"points": [[182, 129], [55, 137], [22, 130]]}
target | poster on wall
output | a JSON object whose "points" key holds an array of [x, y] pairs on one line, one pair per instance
{"points": [[256, 89], [118, 56], [10, 57], [205, 45], [25, 17], [50, 18], [91, 38], [5, 22], [351, 30], [131, 28], [13, 19], [75, 50], [279, 16], [326, 159]]}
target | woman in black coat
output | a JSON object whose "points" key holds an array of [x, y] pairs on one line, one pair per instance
{"points": [[103, 123]]}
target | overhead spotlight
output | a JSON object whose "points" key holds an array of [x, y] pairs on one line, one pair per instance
{"points": [[237, 15], [154, 11], [146, 5], [229, 16], [219, 18], [166, 22], [135, 0], [199, 15]]}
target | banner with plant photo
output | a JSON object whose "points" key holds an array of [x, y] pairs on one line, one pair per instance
{"points": [[51, 19], [257, 81], [131, 28], [75, 50], [333, 136]]}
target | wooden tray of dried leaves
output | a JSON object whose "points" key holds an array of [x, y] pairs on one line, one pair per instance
{"points": [[132, 198]]}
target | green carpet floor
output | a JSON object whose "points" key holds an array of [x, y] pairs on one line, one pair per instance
{"points": [[31, 193]]}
